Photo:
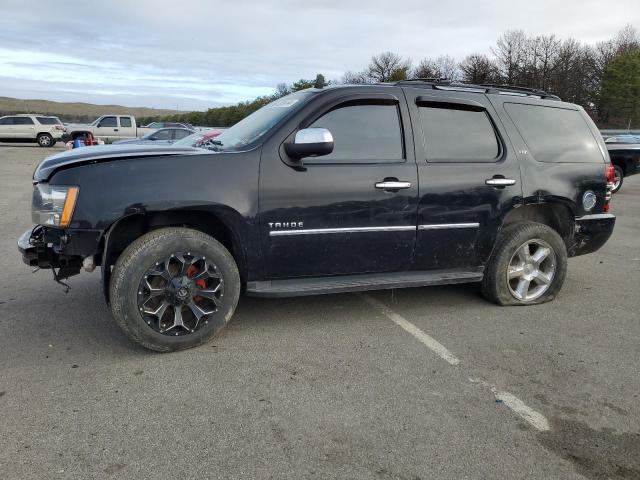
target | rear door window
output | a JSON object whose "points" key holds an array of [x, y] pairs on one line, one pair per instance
{"points": [[125, 122], [555, 134], [22, 121], [180, 134], [162, 135], [458, 133]]}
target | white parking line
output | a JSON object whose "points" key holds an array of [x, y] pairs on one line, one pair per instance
{"points": [[534, 418], [430, 342]]}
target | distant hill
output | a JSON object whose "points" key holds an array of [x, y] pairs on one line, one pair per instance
{"points": [[75, 112]]}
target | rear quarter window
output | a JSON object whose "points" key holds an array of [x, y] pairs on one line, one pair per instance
{"points": [[553, 134], [48, 121]]}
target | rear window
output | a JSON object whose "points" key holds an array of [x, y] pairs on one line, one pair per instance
{"points": [[555, 134], [48, 121], [458, 134]]}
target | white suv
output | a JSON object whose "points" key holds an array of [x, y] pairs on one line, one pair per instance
{"points": [[43, 129]]}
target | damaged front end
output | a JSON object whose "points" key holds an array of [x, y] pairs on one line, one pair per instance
{"points": [[52, 248]]}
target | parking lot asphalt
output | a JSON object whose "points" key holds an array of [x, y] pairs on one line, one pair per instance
{"points": [[338, 386]]}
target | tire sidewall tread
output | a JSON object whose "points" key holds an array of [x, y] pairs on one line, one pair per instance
{"points": [[136, 260], [619, 169], [494, 282], [51, 140]]}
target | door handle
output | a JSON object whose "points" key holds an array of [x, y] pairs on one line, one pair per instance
{"points": [[500, 182], [115, 129], [393, 185]]}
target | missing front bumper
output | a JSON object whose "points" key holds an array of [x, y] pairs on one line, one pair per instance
{"points": [[40, 248]]}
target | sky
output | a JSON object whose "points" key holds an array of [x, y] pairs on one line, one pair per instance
{"points": [[198, 54]]}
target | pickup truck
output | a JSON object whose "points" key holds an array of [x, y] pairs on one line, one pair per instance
{"points": [[109, 128], [625, 157], [339, 189]]}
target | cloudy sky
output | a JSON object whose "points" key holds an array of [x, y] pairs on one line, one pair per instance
{"points": [[195, 54]]}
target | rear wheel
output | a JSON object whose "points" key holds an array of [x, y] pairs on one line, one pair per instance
{"points": [[45, 140], [174, 288], [619, 178], [528, 266]]}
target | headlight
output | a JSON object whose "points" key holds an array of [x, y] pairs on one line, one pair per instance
{"points": [[53, 204]]}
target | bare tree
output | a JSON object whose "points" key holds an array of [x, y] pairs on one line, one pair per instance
{"points": [[355, 78], [627, 40], [282, 89], [427, 68], [442, 67], [478, 68], [544, 52], [387, 66], [448, 67], [510, 54]]}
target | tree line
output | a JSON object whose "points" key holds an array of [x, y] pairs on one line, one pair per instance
{"points": [[603, 78]]}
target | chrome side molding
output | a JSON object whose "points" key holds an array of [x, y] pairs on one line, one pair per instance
{"points": [[442, 226], [316, 231]]}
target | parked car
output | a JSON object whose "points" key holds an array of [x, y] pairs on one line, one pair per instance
{"points": [[157, 125], [622, 139], [43, 129], [625, 157], [164, 136], [339, 189], [109, 128], [200, 139]]}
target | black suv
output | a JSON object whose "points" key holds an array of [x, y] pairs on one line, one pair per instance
{"points": [[329, 190]]}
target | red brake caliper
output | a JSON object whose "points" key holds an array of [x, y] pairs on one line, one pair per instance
{"points": [[192, 271]]}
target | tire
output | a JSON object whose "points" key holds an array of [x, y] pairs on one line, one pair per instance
{"points": [[506, 259], [165, 250], [619, 178], [45, 140]]}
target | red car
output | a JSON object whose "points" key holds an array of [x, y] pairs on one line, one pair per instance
{"points": [[199, 139]]}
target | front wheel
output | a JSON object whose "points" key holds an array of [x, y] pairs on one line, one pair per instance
{"points": [[174, 288], [528, 266]]}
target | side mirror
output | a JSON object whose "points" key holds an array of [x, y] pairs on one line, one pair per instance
{"points": [[310, 142]]}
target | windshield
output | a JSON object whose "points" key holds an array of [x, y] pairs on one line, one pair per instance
{"points": [[253, 127]]}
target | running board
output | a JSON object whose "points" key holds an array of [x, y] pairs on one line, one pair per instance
{"points": [[355, 283]]}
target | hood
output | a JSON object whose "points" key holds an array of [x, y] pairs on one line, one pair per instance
{"points": [[105, 153]]}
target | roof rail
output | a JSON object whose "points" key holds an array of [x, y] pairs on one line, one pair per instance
{"points": [[526, 90], [448, 84], [434, 80]]}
